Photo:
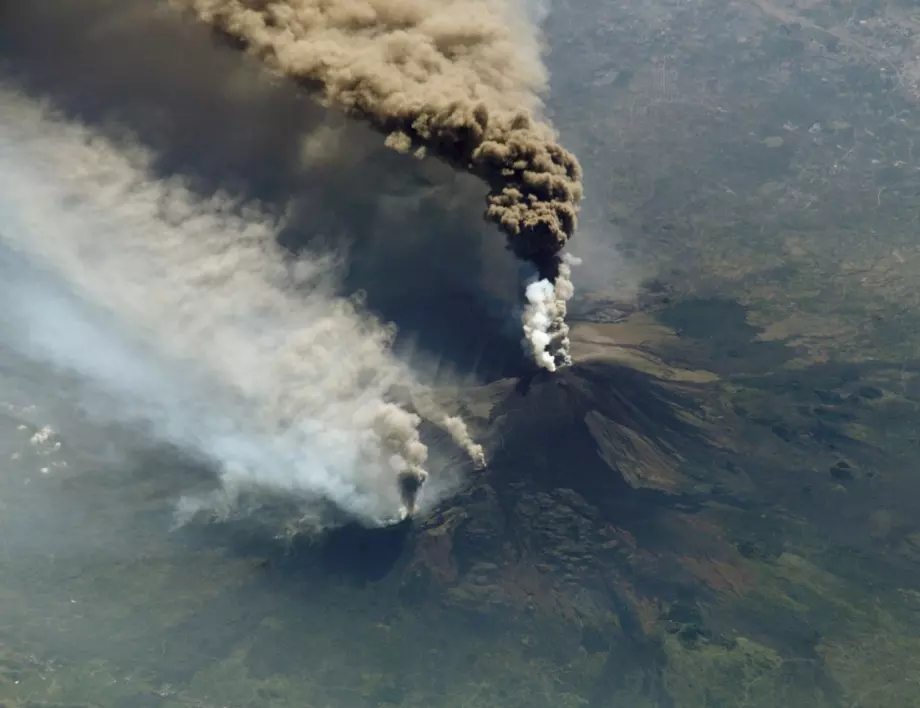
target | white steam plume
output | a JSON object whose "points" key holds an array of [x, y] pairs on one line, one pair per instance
{"points": [[454, 426], [186, 312], [546, 334]]}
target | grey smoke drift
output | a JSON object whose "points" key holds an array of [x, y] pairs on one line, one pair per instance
{"points": [[186, 314], [459, 79]]}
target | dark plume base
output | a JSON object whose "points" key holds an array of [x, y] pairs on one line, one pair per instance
{"points": [[548, 266]]}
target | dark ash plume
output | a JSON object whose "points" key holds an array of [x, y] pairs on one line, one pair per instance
{"points": [[459, 79]]}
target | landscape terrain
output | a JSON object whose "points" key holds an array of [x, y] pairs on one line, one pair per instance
{"points": [[715, 506]]}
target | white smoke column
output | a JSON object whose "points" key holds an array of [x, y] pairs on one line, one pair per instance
{"points": [[187, 313], [546, 334], [460, 434], [453, 425]]}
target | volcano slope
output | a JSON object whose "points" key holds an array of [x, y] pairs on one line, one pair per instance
{"points": [[648, 533], [638, 538], [698, 513]]}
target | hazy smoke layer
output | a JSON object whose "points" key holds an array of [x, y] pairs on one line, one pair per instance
{"points": [[457, 78], [188, 314]]}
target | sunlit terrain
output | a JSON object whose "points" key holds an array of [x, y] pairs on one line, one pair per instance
{"points": [[717, 503]]}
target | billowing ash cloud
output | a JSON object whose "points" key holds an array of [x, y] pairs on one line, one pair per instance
{"points": [[191, 319], [459, 79]]}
